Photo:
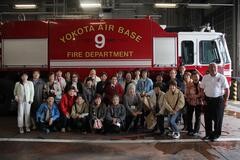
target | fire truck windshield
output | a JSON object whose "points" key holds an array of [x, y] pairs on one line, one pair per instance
{"points": [[208, 52], [223, 50]]}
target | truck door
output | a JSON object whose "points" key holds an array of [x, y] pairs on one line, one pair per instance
{"points": [[187, 49], [223, 49]]}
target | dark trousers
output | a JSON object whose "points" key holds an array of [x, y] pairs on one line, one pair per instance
{"points": [[45, 125], [132, 122], [214, 113], [160, 123], [190, 111], [111, 128], [65, 122], [33, 110], [81, 123], [142, 116]]}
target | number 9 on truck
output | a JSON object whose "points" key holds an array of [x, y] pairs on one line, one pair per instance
{"points": [[99, 41]]}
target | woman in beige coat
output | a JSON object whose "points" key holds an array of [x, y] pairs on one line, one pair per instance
{"points": [[173, 102]]}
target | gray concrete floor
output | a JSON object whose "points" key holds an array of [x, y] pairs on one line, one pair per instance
{"points": [[73, 145], [119, 151]]}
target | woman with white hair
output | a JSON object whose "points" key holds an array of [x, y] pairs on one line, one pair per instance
{"points": [[133, 104]]}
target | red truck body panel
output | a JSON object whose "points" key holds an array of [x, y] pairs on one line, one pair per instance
{"points": [[127, 41], [25, 29]]}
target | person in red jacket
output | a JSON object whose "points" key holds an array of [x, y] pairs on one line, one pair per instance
{"points": [[114, 88], [66, 104]]}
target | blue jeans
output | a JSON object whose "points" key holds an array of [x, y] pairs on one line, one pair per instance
{"points": [[172, 121]]}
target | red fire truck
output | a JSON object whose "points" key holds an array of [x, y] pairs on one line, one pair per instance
{"points": [[108, 45]]}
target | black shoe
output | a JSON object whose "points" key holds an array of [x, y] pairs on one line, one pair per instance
{"points": [[54, 129], [161, 133], [214, 138], [46, 130], [190, 133]]}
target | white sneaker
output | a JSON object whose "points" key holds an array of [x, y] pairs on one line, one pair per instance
{"points": [[21, 130], [196, 134], [28, 130], [176, 135], [171, 134]]}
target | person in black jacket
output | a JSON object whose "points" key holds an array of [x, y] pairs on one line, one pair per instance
{"points": [[159, 81], [100, 89], [75, 83]]}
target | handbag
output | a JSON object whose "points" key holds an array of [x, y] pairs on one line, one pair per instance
{"points": [[97, 124], [151, 121], [147, 103]]}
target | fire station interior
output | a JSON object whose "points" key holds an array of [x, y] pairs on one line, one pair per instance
{"points": [[174, 16]]}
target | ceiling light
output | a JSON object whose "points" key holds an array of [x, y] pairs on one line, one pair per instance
{"points": [[90, 5], [25, 6], [165, 5], [199, 6]]}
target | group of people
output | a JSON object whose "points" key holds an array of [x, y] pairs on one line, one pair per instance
{"points": [[122, 103]]}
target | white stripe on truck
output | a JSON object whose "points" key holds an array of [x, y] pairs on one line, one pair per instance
{"points": [[103, 63]]}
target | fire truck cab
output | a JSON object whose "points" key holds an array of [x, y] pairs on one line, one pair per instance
{"points": [[199, 49]]}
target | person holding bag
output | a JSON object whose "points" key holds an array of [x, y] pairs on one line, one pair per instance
{"points": [[156, 100], [97, 114]]}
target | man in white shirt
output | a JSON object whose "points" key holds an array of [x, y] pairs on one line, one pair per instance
{"points": [[216, 90]]}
